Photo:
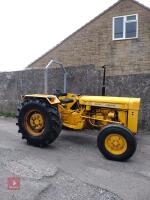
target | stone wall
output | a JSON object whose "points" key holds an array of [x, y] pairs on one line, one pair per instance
{"points": [[93, 44], [85, 80]]}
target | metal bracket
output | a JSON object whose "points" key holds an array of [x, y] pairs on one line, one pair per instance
{"points": [[46, 75]]}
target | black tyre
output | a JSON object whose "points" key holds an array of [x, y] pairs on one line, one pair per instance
{"points": [[116, 142], [39, 123]]}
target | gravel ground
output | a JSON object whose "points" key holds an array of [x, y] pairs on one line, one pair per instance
{"points": [[72, 168]]}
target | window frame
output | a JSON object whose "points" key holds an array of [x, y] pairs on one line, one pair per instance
{"points": [[125, 21]]}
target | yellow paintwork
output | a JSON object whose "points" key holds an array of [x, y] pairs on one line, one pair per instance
{"points": [[70, 96], [123, 117], [72, 119], [52, 99], [88, 108], [133, 120], [111, 102], [127, 108], [107, 110], [115, 144]]}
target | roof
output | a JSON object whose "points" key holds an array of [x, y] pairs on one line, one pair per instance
{"points": [[138, 2]]}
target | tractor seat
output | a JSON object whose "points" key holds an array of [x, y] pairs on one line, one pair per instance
{"points": [[59, 93], [67, 100]]}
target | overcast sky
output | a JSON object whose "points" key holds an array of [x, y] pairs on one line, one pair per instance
{"points": [[29, 28]]}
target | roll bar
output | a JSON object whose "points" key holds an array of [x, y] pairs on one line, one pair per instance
{"points": [[46, 75]]}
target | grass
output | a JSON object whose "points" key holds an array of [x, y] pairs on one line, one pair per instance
{"points": [[8, 114]]}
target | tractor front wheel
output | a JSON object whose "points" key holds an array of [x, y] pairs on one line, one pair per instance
{"points": [[116, 143], [39, 123]]}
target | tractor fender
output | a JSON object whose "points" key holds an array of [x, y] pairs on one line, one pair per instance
{"points": [[51, 99]]}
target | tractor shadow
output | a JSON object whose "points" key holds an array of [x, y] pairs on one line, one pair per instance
{"points": [[78, 138]]}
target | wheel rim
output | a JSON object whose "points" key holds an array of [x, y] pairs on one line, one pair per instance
{"points": [[116, 144], [34, 122]]}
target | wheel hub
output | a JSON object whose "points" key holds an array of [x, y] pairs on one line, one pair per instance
{"points": [[116, 144], [36, 120], [34, 123]]}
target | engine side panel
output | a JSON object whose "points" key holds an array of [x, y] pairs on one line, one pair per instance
{"points": [[111, 102], [127, 109]]}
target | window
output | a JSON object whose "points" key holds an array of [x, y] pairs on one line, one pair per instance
{"points": [[125, 27]]}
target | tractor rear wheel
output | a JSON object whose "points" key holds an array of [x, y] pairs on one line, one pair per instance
{"points": [[116, 142], [39, 123]]}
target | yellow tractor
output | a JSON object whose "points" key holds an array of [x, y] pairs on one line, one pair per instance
{"points": [[41, 118]]}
